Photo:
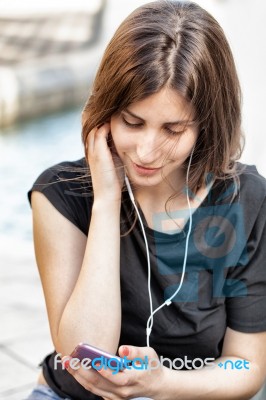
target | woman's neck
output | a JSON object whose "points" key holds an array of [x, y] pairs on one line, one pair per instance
{"points": [[155, 203]]}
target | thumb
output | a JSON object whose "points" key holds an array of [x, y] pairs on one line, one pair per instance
{"points": [[132, 352]]}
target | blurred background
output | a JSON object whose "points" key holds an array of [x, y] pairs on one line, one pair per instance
{"points": [[48, 57]]}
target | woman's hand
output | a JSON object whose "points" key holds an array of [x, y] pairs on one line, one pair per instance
{"points": [[145, 378], [106, 168]]}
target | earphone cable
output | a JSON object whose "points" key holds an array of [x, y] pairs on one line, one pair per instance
{"points": [[169, 300], [146, 243]]}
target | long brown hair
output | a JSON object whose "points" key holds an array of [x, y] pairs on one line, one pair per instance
{"points": [[180, 45]]}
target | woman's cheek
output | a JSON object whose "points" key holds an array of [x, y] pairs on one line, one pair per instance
{"points": [[186, 144], [123, 147], [122, 140]]}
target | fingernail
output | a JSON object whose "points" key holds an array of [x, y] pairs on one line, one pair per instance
{"points": [[125, 351], [65, 363], [98, 369]]}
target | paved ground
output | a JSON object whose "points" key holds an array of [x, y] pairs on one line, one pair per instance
{"points": [[24, 332]]}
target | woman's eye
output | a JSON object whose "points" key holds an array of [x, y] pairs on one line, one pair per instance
{"points": [[174, 133], [130, 124], [167, 130]]}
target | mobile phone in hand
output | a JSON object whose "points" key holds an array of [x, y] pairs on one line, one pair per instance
{"points": [[84, 350]]}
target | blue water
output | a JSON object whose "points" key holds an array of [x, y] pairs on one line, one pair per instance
{"points": [[25, 151]]}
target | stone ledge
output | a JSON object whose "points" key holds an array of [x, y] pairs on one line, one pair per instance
{"points": [[42, 69], [32, 89]]}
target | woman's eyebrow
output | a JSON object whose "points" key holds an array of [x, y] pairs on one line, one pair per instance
{"points": [[184, 121]]}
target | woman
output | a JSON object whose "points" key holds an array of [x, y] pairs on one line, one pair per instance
{"points": [[153, 244]]}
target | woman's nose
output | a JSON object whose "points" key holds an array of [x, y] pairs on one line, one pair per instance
{"points": [[149, 149]]}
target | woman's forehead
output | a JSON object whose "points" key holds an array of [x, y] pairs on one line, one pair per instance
{"points": [[167, 105]]}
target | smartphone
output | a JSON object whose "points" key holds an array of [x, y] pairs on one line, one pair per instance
{"points": [[84, 350]]}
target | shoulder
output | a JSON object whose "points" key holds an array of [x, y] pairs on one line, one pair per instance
{"points": [[248, 187], [252, 189], [68, 187], [251, 181], [243, 198], [66, 176], [62, 171]]}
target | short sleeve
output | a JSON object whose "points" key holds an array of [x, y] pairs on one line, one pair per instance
{"points": [[246, 309], [66, 187]]}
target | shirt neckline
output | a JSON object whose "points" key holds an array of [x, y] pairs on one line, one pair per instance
{"points": [[173, 237]]}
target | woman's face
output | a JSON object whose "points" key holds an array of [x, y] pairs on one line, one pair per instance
{"points": [[153, 137]]}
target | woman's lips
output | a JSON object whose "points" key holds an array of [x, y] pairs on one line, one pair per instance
{"points": [[144, 170]]}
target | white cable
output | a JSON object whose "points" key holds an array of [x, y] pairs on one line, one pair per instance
{"points": [[169, 300], [145, 240]]}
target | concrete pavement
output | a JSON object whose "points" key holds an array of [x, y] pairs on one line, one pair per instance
{"points": [[24, 332]]}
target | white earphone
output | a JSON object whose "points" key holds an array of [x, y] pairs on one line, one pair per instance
{"points": [[169, 300]]}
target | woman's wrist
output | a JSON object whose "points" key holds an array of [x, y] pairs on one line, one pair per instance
{"points": [[106, 204], [159, 389]]}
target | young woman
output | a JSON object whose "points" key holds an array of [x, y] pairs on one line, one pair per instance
{"points": [[152, 246]]}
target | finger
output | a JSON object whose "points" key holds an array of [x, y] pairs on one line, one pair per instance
{"points": [[90, 142], [115, 376], [97, 140], [94, 382], [88, 378], [72, 365], [101, 135], [65, 361], [91, 136], [134, 352]]}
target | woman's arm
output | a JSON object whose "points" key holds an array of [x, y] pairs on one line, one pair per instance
{"points": [[220, 383], [93, 312], [81, 278], [162, 383]]}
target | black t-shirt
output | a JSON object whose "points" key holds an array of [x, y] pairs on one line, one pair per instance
{"points": [[225, 280]]}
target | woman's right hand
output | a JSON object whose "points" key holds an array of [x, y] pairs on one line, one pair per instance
{"points": [[106, 167]]}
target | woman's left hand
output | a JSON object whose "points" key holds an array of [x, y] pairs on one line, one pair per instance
{"points": [[144, 378]]}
